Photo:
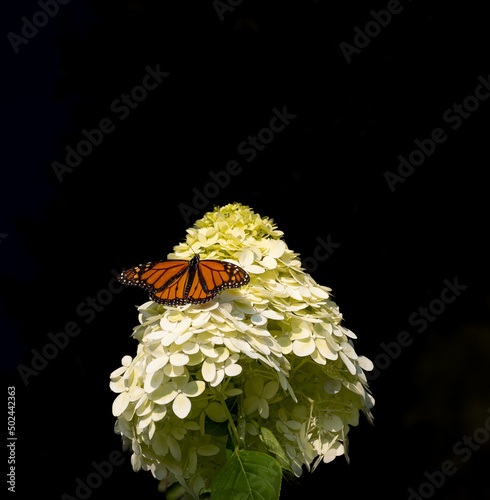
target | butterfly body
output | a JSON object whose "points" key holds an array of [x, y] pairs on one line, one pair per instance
{"points": [[180, 282]]}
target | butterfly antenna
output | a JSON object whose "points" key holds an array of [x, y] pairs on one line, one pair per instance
{"points": [[192, 250]]}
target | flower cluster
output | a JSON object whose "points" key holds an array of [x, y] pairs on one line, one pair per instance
{"points": [[272, 354]]}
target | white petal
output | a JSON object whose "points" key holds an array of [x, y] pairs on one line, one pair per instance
{"points": [[233, 369], [195, 359], [183, 325], [190, 348], [164, 394], [181, 406], [318, 358], [246, 257], [220, 375], [117, 373], [117, 386], [224, 354], [156, 335], [356, 388], [179, 359], [144, 408], [137, 393], [348, 363], [318, 292], [254, 269], [144, 422], [286, 344], [208, 370], [277, 248], [169, 338], [301, 331], [152, 428], [269, 262], [241, 345], [365, 363], [184, 337], [349, 333], [271, 314], [157, 364], [244, 307], [209, 351], [173, 371], [259, 320], [167, 325], [329, 456], [327, 327], [194, 388], [303, 347], [324, 348], [136, 462], [159, 411], [294, 292], [126, 360], [153, 381], [348, 350], [120, 403], [201, 320]]}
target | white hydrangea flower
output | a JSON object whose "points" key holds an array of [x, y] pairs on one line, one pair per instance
{"points": [[271, 354]]}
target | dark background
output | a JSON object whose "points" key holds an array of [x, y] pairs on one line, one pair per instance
{"points": [[322, 177]]}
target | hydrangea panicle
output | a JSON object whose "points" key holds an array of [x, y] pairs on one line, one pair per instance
{"points": [[272, 354]]}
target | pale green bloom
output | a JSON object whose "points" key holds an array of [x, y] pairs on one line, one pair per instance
{"points": [[274, 350], [258, 395]]}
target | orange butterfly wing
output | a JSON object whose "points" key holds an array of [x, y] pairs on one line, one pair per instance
{"points": [[157, 278], [216, 275], [179, 282]]}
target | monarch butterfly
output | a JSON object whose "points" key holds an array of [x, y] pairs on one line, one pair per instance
{"points": [[180, 282]]}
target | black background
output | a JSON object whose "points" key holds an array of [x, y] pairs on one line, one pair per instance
{"points": [[322, 177]]}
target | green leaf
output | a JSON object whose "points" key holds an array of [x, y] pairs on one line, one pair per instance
{"points": [[215, 428], [248, 475], [274, 447]]}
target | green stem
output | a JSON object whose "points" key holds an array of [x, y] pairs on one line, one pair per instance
{"points": [[234, 431]]}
